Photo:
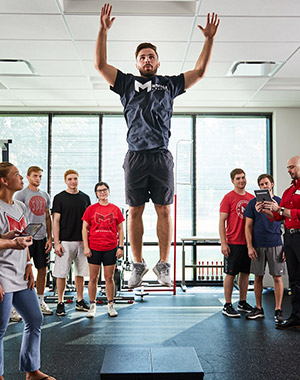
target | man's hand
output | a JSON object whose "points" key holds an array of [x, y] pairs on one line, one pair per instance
{"points": [[225, 249], [10, 235], [87, 252], [48, 245], [22, 242], [252, 253], [58, 249], [105, 20], [259, 206], [211, 26], [29, 276], [272, 206], [119, 253], [1, 293]]}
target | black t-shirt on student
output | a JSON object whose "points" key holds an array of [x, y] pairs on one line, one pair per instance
{"points": [[148, 108], [71, 208]]}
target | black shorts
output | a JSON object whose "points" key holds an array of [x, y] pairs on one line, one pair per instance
{"points": [[238, 260], [37, 252], [105, 257], [149, 175]]}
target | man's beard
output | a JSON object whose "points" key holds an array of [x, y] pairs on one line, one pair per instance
{"points": [[148, 73]]}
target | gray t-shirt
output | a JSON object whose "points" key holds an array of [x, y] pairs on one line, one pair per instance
{"points": [[36, 203], [12, 261]]}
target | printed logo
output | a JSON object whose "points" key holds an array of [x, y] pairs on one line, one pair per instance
{"points": [[104, 222], [241, 207], [138, 86], [37, 205], [15, 224]]}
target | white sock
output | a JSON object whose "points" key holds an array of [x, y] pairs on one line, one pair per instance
{"points": [[41, 298]]}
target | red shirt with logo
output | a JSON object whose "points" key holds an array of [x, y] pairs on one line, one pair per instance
{"points": [[103, 222], [291, 200], [234, 205]]}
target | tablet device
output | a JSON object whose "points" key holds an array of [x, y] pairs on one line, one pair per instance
{"points": [[263, 195], [31, 229]]}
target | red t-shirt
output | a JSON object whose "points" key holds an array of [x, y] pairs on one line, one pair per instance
{"points": [[103, 221], [234, 205]]}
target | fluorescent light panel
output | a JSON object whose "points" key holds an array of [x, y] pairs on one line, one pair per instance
{"points": [[253, 68], [16, 67]]}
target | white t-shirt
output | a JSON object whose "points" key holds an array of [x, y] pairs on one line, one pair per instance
{"points": [[12, 261]]}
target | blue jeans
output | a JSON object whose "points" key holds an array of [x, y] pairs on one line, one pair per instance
{"points": [[27, 305]]}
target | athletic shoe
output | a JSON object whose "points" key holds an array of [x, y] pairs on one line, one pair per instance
{"points": [[82, 306], [138, 271], [60, 309], [256, 313], [229, 311], [14, 315], [244, 306], [111, 310], [279, 316], [92, 311], [162, 271], [45, 308]]}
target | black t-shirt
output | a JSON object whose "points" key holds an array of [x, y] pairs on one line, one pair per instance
{"points": [[71, 208], [148, 108]]}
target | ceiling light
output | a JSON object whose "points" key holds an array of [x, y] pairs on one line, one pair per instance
{"points": [[254, 68], [16, 68]]}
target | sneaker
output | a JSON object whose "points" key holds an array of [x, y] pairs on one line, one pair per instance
{"points": [[256, 313], [92, 311], [82, 306], [138, 271], [45, 308], [162, 271], [14, 315], [60, 309], [111, 310], [244, 306], [279, 316], [230, 311]]}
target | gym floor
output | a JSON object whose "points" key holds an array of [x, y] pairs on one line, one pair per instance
{"points": [[73, 347]]}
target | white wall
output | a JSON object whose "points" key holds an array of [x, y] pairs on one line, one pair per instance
{"points": [[286, 144]]}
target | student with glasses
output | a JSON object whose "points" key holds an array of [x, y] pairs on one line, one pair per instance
{"points": [[103, 236]]}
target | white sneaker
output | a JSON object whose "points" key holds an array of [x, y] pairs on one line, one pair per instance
{"points": [[162, 271], [111, 310], [45, 308], [14, 315], [92, 311], [138, 271]]}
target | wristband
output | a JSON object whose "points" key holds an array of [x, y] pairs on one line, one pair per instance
{"points": [[29, 263], [122, 248], [281, 211]]}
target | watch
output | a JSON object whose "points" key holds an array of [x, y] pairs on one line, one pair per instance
{"points": [[281, 211], [122, 248]]}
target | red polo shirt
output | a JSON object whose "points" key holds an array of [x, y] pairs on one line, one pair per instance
{"points": [[291, 201]]}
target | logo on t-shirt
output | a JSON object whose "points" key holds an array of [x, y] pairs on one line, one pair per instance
{"points": [[138, 86], [15, 224], [104, 221], [37, 205], [241, 207]]}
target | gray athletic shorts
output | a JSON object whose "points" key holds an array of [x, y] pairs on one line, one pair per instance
{"points": [[148, 175], [73, 251], [272, 255]]}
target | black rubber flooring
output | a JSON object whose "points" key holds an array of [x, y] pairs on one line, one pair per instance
{"points": [[73, 347]]}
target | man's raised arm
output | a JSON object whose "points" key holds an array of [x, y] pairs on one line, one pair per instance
{"points": [[193, 76], [108, 72]]}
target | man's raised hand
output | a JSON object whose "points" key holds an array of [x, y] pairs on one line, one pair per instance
{"points": [[211, 26], [105, 20]]}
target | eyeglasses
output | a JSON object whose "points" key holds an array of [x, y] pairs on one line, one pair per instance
{"points": [[102, 191]]}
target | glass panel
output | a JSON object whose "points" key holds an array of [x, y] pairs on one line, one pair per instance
{"points": [[29, 147], [114, 148], [225, 143], [75, 145]]}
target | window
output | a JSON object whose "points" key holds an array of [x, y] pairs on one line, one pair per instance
{"points": [[75, 145], [29, 147]]}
